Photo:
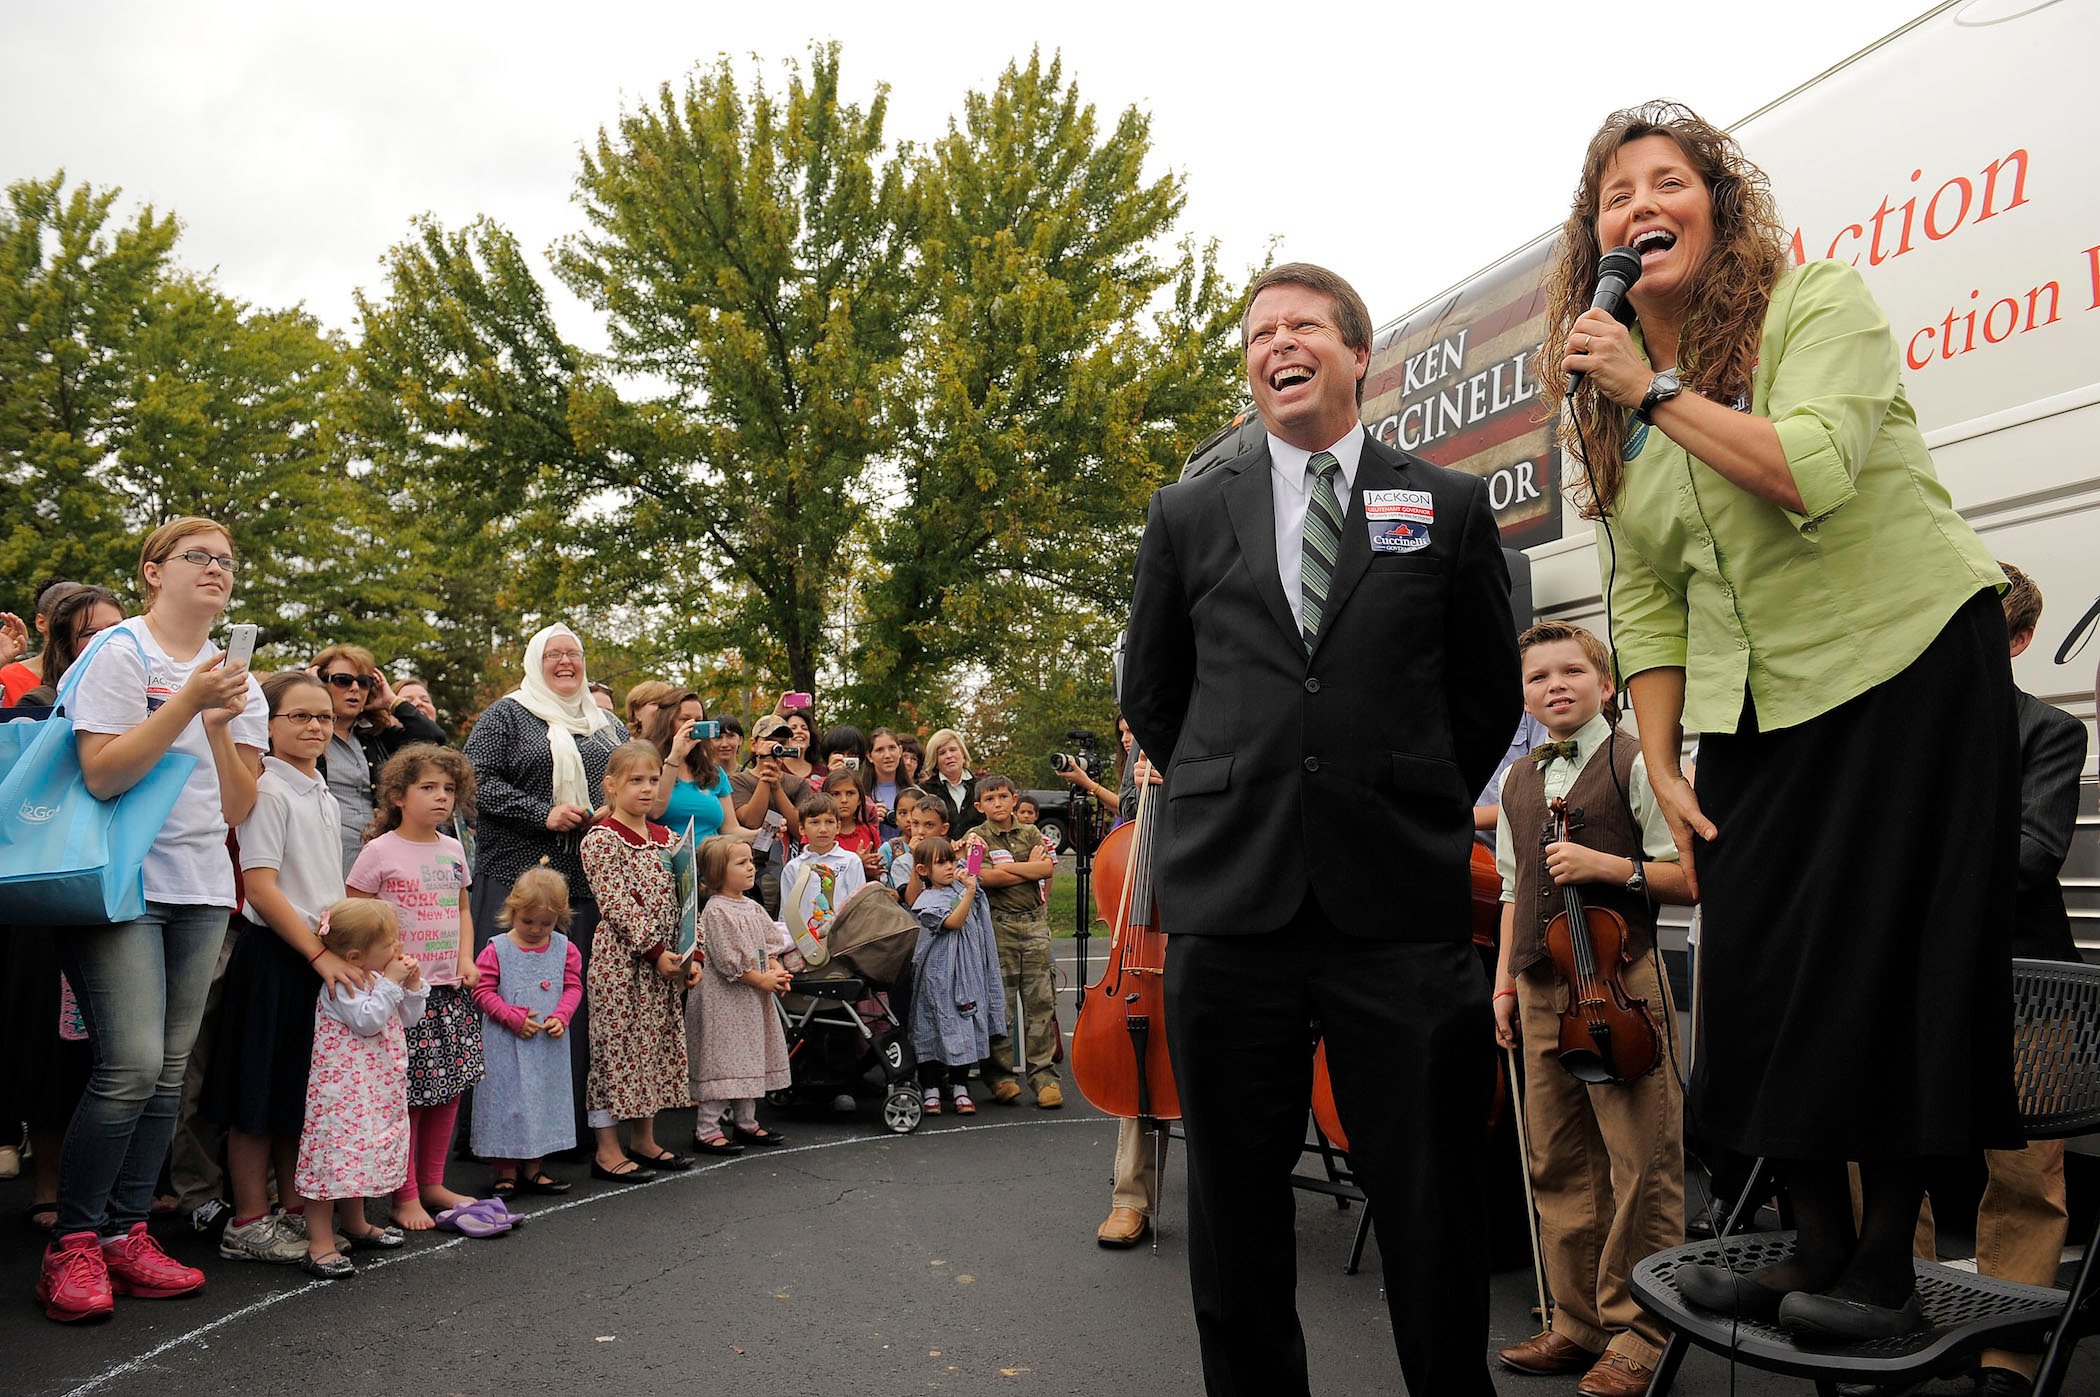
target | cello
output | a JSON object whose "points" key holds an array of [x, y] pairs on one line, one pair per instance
{"points": [[1606, 1034], [1119, 1041]]}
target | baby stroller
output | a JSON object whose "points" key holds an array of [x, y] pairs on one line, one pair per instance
{"points": [[854, 1011]]}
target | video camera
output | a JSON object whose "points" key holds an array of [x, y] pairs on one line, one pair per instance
{"points": [[1086, 758], [777, 749]]}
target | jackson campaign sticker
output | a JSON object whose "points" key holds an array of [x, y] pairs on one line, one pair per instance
{"points": [[1398, 520]]}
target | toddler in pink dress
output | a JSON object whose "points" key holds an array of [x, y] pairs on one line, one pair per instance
{"points": [[355, 1144]]}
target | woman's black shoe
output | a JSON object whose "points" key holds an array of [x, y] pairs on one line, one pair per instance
{"points": [[670, 1160], [636, 1175], [542, 1182], [1727, 1292], [1849, 1321]]}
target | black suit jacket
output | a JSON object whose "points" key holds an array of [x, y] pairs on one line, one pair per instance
{"points": [[2052, 755], [1352, 770]]}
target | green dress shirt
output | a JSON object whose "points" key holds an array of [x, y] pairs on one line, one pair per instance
{"points": [[1806, 610]]}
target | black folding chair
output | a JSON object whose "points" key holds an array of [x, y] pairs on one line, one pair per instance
{"points": [[2057, 1064]]}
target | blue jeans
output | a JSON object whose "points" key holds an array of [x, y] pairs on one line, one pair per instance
{"points": [[141, 986]]}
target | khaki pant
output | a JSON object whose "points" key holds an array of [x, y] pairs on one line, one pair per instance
{"points": [[1025, 969], [1607, 1168], [2020, 1227], [1137, 1166]]}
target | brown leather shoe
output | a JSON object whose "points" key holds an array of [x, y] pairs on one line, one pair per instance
{"points": [[1006, 1093], [1126, 1227], [1049, 1096], [1543, 1355], [1615, 1375]]}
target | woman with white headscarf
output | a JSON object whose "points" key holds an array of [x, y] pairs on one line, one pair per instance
{"points": [[539, 767]]}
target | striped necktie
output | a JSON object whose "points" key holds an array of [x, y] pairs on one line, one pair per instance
{"points": [[1323, 545]]}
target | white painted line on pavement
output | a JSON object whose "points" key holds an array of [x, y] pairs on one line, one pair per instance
{"points": [[133, 1365]]}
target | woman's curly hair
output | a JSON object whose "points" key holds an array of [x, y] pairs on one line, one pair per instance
{"points": [[1717, 344]]}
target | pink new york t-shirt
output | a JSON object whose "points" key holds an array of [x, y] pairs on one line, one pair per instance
{"points": [[425, 882]]}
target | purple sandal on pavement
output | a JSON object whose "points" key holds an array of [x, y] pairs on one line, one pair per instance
{"points": [[495, 1210], [468, 1222]]}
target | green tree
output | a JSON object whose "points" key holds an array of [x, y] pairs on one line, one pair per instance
{"points": [[76, 295], [1062, 369], [133, 392], [751, 254]]}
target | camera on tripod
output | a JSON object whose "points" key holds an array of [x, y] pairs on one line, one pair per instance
{"points": [[1086, 757]]}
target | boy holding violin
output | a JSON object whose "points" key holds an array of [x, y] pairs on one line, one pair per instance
{"points": [[1607, 1165]]}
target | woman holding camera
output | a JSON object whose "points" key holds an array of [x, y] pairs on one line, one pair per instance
{"points": [[695, 788]]}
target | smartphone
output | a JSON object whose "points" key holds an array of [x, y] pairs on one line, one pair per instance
{"points": [[240, 645], [974, 865], [706, 730], [794, 700]]}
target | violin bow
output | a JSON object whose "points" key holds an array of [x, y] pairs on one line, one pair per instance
{"points": [[1531, 1211]]}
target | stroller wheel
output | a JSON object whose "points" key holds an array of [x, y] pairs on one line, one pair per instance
{"points": [[902, 1110], [785, 1096]]}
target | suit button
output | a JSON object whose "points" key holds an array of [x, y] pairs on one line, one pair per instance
{"points": [[1312, 686], [1312, 763]]}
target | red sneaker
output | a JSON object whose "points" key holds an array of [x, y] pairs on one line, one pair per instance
{"points": [[74, 1282], [137, 1266]]}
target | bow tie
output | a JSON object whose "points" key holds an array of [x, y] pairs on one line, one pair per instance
{"points": [[1547, 751]]}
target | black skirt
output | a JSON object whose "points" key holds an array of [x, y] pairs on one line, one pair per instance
{"points": [[1855, 947], [255, 1081], [41, 1074]]}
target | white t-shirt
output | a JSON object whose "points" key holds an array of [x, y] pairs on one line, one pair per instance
{"points": [[294, 829], [188, 864]]}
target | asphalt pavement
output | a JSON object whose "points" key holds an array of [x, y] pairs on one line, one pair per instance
{"points": [[958, 1259]]}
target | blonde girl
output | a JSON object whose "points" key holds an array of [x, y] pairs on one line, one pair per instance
{"points": [[355, 1144], [410, 861], [637, 1041], [741, 1052], [531, 982]]}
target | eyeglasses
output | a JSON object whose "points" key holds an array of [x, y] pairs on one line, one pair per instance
{"points": [[199, 558], [576, 655], [344, 681], [303, 719]]}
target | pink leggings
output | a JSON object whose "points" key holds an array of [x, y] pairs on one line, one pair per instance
{"points": [[429, 1139]]}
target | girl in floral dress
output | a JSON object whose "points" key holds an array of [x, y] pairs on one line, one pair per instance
{"points": [[355, 1145], [632, 983]]}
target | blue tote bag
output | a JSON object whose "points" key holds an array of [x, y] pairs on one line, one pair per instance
{"points": [[66, 858]]}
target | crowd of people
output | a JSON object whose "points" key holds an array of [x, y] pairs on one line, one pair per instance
{"points": [[355, 933]]}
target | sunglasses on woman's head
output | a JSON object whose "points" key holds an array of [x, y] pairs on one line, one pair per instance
{"points": [[344, 681]]}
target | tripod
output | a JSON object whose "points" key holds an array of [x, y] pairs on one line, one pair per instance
{"points": [[1081, 817]]}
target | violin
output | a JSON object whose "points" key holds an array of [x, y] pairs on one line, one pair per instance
{"points": [[1606, 1034], [1119, 1043]]}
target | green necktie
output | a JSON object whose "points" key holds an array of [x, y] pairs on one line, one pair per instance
{"points": [[1545, 752], [1323, 545]]}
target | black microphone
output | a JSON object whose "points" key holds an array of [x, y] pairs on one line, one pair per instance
{"points": [[1617, 271]]}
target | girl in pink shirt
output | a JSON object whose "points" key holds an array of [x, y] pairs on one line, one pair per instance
{"points": [[410, 862]]}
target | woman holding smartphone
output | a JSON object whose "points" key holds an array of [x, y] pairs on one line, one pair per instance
{"points": [[155, 684]]}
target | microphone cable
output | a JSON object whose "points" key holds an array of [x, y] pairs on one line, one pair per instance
{"points": [[1714, 1219]]}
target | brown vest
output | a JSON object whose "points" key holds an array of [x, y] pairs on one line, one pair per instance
{"points": [[1605, 824]]}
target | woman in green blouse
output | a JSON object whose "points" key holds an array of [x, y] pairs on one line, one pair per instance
{"points": [[1787, 577]]}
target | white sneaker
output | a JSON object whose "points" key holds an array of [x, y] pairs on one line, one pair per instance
{"points": [[262, 1240], [293, 1225]]}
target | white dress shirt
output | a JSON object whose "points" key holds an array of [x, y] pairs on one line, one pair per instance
{"points": [[1290, 482]]}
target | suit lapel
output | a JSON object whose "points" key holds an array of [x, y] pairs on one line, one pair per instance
{"points": [[1252, 506], [1373, 472]]}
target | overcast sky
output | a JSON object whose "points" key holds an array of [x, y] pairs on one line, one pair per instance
{"points": [[1405, 147]]}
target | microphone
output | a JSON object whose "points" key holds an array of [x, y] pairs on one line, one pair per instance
{"points": [[1617, 271]]}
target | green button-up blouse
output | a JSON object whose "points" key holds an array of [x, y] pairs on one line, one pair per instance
{"points": [[1804, 610]]}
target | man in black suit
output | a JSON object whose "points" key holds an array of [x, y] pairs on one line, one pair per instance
{"points": [[1326, 680]]}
